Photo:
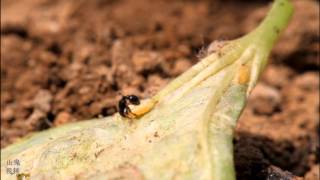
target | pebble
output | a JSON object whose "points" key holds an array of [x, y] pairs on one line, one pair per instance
{"points": [[265, 99]]}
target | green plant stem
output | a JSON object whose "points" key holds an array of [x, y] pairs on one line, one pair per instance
{"points": [[266, 34], [262, 39]]}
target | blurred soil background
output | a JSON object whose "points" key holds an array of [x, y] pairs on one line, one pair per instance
{"points": [[65, 61]]}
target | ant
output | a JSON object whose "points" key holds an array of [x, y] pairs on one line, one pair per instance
{"points": [[124, 108]]}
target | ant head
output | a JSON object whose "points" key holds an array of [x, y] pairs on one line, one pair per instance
{"points": [[133, 99]]}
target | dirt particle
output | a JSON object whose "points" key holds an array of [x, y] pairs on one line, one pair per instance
{"points": [[156, 134], [308, 81], [96, 154], [265, 99], [62, 118], [180, 66], [277, 75], [146, 60], [7, 114], [23, 176], [275, 173], [42, 100]]}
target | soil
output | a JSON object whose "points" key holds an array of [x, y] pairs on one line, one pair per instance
{"points": [[65, 61]]}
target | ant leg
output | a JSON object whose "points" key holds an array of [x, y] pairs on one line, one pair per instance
{"points": [[129, 114]]}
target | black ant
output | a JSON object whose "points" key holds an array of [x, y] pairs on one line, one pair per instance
{"points": [[124, 103]]}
